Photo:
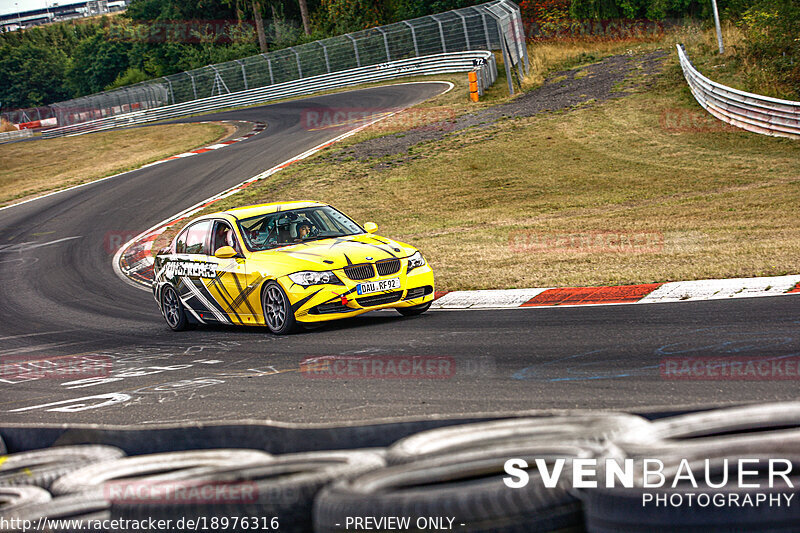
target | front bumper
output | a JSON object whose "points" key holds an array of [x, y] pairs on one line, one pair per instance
{"points": [[320, 303]]}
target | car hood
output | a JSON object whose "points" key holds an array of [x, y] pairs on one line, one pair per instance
{"points": [[335, 253]]}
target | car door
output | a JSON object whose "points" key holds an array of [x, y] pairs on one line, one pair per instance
{"points": [[230, 287], [193, 271]]}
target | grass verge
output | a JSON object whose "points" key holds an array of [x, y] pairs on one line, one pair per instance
{"points": [[563, 199], [31, 168]]}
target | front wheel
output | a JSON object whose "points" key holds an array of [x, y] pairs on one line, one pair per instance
{"points": [[278, 314], [414, 311], [173, 311]]}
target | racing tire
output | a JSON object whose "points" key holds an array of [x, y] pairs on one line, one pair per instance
{"points": [[278, 312], [43, 467], [740, 429], [284, 488], [440, 442], [13, 498], [466, 486], [172, 309], [154, 468], [414, 311], [85, 508]]}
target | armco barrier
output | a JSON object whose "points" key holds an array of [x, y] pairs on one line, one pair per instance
{"points": [[483, 61], [494, 25], [752, 112], [274, 437], [14, 135]]}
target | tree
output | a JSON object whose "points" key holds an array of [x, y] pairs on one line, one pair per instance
{"points": [[32, 75], [262, 37], [96, 63], [304, 16]]}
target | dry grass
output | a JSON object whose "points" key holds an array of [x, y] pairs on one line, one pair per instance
{"points": [[6, 126], [32, 168], [710, 201]]}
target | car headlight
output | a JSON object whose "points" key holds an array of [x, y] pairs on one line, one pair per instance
{"points": [[308, 278], [415, 261]]}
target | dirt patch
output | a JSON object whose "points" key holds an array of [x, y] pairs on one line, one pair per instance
{"points": [[610, 78]]}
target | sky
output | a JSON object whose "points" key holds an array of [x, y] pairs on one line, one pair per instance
{"points": [[14, 6]]}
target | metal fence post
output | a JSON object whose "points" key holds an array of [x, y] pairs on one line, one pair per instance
{"points": [[171, 92], [485, 29], [355, 48], [297, 56], [325, 52], [515, 19], [269, 66], [194, 86], [244, 74], [385, 43], [464, 24], [441, 33], [413, 37]]}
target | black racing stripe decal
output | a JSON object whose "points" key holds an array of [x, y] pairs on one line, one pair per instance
{"points": [[243, 299], [348, 260], [223, 293], [335, 298], [302, 302], [193, 302], [200, 286], [244, 295], [299, 253], [376, 246]]}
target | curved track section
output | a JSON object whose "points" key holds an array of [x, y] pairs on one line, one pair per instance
{"points": [[61, 301]]}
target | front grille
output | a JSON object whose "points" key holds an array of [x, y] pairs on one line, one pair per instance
{"points": [[388, 266], [418, 292], [333, 307], [357, 272], [379, 299]]}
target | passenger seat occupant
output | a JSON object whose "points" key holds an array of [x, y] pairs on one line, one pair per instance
{"points": [[223, 237]]}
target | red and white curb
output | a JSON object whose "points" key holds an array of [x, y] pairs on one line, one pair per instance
{"points": [[258, 127], [676, 291]]}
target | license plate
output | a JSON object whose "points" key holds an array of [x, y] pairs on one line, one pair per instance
{"points": [[378, 286]]}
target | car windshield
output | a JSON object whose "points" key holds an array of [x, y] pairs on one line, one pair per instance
{"points": [[295, 226]]}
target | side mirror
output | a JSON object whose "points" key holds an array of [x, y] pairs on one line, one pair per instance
{"points": [[226, 252], [371, 227]]}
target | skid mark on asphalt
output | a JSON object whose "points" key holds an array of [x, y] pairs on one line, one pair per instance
{"points": [[27, 246], [162, 390]]}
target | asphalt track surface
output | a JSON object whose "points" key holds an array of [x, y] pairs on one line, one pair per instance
{"points": [[59, 297]]}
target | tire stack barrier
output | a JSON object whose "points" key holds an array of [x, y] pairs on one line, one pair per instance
{"points": [[433, 468]]}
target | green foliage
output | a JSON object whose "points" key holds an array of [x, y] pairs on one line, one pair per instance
{"points": [[772, 28], [32, 75], [129, 77], [96, 63]]}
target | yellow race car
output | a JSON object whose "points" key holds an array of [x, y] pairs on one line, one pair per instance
{"points": [[282, 265]]}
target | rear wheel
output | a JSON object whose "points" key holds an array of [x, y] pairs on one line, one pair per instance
{"points": [[172, 308], [413, 311], [278, 314]]}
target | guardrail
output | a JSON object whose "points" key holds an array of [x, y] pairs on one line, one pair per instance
{"points": [[482, 61], [751, 112], [13, 135]]}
